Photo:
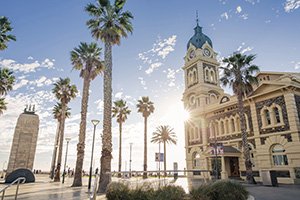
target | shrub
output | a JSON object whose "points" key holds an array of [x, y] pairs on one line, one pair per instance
{"points": [[117, 191], [142, 192], [225, 190], [170, 192]]}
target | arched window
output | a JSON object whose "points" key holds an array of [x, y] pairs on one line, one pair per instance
{"points": [[277, 115], [195, 75], [191, 80], [222, 128], [196, 160], [226, 126], [232, 125], [206, 74], [278, 154], [251, 151], [267, 117], [212, 76]]}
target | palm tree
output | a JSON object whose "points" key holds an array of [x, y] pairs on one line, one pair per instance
{"points": [[238, 74], [164, 134], [85, 58], [2, 105], [57, 111], [4, 29], [108, 24], [120, 111], [7, 80], [64, 92], [146, 107]]}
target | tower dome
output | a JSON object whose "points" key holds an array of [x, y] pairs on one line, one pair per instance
{"points": [[199, 38]]}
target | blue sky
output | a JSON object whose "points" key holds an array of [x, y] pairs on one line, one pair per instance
{"points": [[148, 63]]}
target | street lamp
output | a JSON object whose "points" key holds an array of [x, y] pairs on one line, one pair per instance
{"points": [[130, 159], [64, 172], [95, 123]]}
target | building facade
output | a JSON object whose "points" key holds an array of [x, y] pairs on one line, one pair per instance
{"points": [[272, 115]]}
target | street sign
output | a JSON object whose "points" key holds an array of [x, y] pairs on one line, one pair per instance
{"points": [[159, 157]]}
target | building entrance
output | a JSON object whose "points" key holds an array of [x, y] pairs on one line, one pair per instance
{"points": [[234, 166]]}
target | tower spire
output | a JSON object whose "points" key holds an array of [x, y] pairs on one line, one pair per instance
{"points": [[197, 18]]}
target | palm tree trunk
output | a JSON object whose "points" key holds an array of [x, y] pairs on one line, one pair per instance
{"points": [[82, 132], [106, 156], [61, 141], [54, 151], [120, 148], [248, 164], [165, 158], [145, 148]]}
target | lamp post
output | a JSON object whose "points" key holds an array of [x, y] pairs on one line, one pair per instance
{"points": [[95, 123], [64, 172], [130, 159]]}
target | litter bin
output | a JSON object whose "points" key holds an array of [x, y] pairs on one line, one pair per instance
{"points": [[269, 178]]}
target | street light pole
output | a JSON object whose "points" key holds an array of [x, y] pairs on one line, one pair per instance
{"points": [[130, 159], [64, 172], [95, 123]]}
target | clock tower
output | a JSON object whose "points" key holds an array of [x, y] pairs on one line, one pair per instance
{"points": [[201, 73]]}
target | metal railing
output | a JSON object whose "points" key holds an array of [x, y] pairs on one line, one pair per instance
{"points": [[17, 181]]}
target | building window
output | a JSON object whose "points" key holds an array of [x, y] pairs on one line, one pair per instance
{"points": [[232, 125], [277, 115], [267, 117], [251, 151], [196, 160], [278, 154]]}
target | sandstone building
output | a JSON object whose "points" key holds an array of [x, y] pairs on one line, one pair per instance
{"points": [[272, 115]]}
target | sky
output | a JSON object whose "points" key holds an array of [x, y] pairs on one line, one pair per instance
{"points": [[147, 63]]}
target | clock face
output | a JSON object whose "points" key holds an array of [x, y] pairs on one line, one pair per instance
{"points": [[192, 54], [206, 52]]}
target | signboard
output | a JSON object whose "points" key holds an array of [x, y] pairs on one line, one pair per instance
{"points": [[159, 157], [217, 147]]}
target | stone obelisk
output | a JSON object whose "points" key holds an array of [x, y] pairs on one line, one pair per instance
{"points": [[24, 142]]}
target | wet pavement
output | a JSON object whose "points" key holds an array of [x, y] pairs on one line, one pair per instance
{"points": [[44, 189]]}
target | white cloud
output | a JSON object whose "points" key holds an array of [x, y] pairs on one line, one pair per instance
{"points": [[225, 15], [100, 106], [244, 16], [171, 76], [253, 2], [155, 56], [118, 95], [26, 67], [152, 67], [30, 58], [20, 84], [242, 49], [291, 5], [238, 9], [296, 65], [143, 82]]}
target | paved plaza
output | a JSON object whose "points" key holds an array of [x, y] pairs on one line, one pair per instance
{"points": [[43, 189]]}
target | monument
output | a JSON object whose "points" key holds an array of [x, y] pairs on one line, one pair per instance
{"points": [[24, 141]]}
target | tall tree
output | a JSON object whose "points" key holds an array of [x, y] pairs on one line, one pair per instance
{"points": [[109, 24], [146, 107], [64, 92], [120, 111], [7, 80], [6, 84], [57, 111], [4, 29], [238, 74], [86, 59], [164, 134], [2, 105]]}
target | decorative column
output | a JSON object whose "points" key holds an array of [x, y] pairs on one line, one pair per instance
{"points": [[224, 174]]}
